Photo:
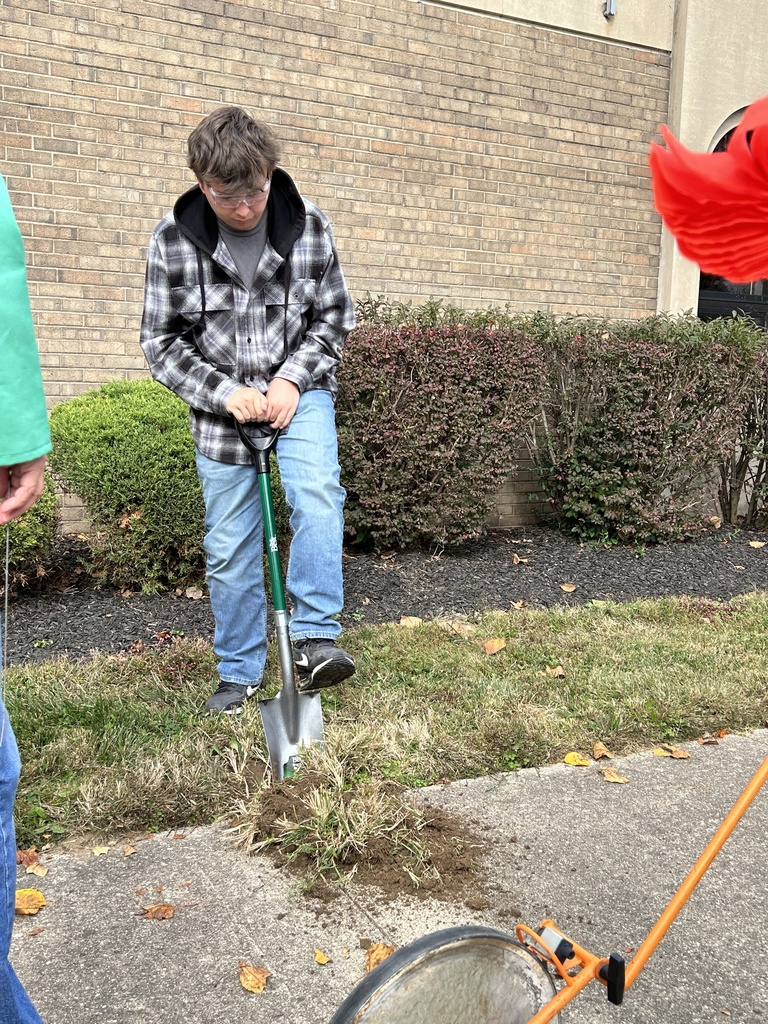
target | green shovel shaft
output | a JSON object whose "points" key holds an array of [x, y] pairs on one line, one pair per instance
{"points": [[270, 539]]}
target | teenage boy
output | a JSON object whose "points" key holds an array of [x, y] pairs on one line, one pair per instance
{"points": [[245, 315]]}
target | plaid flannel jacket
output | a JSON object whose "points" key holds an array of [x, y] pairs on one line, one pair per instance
{"points": [[205, 335]]}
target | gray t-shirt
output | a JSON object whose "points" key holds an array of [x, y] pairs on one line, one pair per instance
{"points": [[246, 248]]}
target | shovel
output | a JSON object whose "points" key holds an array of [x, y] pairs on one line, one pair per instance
{"points": [[291, 720]]}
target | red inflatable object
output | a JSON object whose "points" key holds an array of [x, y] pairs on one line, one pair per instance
{"points": [[716, 204]]}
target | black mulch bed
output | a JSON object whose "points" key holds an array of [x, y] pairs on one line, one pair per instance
{"points": [[68, 615]]}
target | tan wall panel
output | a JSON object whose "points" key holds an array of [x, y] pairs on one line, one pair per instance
{"points": [[640, 22], [720, 66]]}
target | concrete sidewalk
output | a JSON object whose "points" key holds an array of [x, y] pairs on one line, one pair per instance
{"points": [[602, 860]]}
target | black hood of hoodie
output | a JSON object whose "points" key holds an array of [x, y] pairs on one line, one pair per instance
{"points": [[286, 216]]}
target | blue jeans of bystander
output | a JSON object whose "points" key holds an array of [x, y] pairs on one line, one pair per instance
{"points": [[15, 1005], [309, 471]]}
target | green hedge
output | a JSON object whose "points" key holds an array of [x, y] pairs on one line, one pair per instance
{"points": [[32, 538], [626, 421], [429, 413], [637, 418], [127, 452]]}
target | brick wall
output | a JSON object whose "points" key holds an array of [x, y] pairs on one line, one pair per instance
{"points": [[459, 156]]}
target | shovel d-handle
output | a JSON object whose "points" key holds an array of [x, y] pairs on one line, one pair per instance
{"points": [[260, 439]]}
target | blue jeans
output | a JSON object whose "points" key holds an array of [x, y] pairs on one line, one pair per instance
{"points": [[309, 469], [15, 1006]]}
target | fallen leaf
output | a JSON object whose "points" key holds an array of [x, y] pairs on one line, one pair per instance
{"points": [[35, 931], [321, 957], [376, 954], [721, 733], [128, 851], [457, 625], [568, 587], [195, 593], [37, 869], [600, 750], [708, 741], [29, 901], [253, 979], [517, 605], [556, 671], [576, 759], [494, 646], [610, 774], [27, 857], [158, 912], [99, 851], [667, 750], [410, 621], [716, 521], [757, 543]]}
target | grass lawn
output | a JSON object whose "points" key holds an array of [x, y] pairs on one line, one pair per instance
{"points": [[117, 744]]}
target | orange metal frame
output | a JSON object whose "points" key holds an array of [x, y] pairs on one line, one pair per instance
{"points": [[582, 967]]}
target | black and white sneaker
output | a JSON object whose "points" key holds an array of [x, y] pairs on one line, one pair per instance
{"points": [[229, 699], [320, 663]]}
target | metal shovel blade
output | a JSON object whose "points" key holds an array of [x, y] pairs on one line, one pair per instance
{"points": [[292, 722]]}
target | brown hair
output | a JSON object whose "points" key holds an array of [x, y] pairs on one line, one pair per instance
{"points": [[230, 147]]}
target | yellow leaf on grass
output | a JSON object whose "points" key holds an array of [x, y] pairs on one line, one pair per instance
{"points": [[556, 671], [321, 957], [410, 621], [376, 954], [757, 543], [158, 912], [576, 759], [600, 750], [494, 646], [253, 979], [29, 901], [667, 750], [610, 774], [568, 587]]}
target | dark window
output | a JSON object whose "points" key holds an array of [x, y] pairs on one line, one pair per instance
{"points": [[719, 297]]}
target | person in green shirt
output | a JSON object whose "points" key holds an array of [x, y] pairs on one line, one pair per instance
{"points": [[24, 442]]}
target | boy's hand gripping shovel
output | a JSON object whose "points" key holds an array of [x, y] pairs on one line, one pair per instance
{"points": [[291, 720]]}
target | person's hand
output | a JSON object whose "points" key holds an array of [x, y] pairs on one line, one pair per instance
{"points": [[246, 405], [282, 401], [20, 487]]}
